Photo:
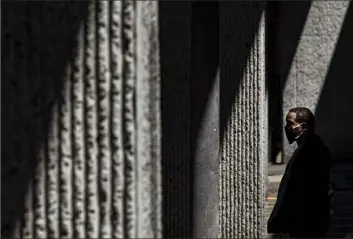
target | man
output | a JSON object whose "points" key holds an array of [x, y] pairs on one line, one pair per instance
{"points": [[302, 209]]}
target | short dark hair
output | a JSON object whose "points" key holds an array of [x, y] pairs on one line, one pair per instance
{"points": [[304, 115]]}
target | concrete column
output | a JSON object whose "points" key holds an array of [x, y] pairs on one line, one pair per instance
{"points": [[86, 126], [243, 103], [205, 118]]}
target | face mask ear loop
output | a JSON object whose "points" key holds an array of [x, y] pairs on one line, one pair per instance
{"points": [[297, 126], [304, 130]]}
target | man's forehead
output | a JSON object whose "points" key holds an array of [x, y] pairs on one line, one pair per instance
{"points": [[291, 115]]}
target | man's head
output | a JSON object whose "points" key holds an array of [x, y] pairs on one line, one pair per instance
{"points": [[299, 120]]}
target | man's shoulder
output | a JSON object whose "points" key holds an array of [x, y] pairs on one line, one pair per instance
{"points": [[316, 150], [316, 142]]}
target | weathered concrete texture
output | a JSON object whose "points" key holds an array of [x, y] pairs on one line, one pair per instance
{"points": [[334, 112], [244, 118], [98, 167], [312, 59]]}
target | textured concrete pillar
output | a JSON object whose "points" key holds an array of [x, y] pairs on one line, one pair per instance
{"points": [[96, 161], [243, 103], [310, 68]]}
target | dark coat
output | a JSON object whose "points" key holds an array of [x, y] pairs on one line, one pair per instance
{"points": [[302, 208]]}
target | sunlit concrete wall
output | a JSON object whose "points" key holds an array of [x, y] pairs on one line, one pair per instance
{"points": [[319, 75], [96, 170]]}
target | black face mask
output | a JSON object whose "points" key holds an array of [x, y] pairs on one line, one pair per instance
{"points": [[293, 133]]}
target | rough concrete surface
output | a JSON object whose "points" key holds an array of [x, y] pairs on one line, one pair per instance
{"points": [[97, 167], [81, 116], [309, 73], [243, 158]]}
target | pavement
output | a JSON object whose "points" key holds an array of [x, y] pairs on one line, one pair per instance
{"points": [[276, 169], [275, 174]]}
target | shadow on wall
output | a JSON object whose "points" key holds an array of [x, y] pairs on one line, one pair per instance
{"points": [[334, 118], [190, 54], [189, 61], [38, 42], [286, 20], [334, 114], [238, 28], [204, 117]]}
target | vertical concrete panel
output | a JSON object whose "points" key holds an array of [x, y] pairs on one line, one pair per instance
{"points": [[89, 118], [104, 106], [148, 121], [205, 118], [117, 126], [91, 111], [244, 120], [129, 118], [65, 161], [78, 139], [312, 59]]}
